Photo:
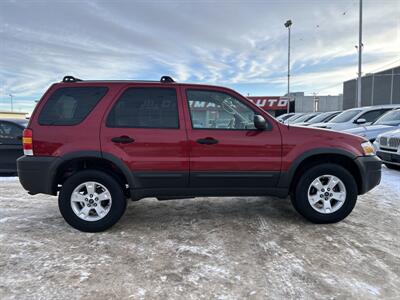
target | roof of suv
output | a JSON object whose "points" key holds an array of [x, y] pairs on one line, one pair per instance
{"points": [[163, 80]]}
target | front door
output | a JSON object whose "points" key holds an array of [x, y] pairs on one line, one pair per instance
{"points": [[143, 129], [226, 150]]}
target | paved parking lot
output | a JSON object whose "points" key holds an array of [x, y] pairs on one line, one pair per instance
{"points": [[211, 248]]}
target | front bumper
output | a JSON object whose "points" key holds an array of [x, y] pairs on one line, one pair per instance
{"points": [[389, 157], [36, 173], [370, 171]]}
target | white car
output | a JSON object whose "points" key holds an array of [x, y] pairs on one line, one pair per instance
{"points": [[387, 146], [284, 117], [388, 122], [293, 118], [304, 118], [356, 117], [320, 118]]}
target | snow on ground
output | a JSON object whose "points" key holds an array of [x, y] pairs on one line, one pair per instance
{"points": [[8, 178], [206, 248]]}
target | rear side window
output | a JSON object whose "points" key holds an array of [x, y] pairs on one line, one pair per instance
{"points": [[70, 105], [145, 108]]}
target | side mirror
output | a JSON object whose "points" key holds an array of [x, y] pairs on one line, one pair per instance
{"points": [[259, 122], [360, 121]]}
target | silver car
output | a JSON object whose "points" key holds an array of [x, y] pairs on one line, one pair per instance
{"points": [[388, 122], [356, 117], [284, 117], [387, 146], [304, 118], [320, 118], [293, 118]]}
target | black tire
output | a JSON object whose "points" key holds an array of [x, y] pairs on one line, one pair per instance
{"points": [[393, 167], [300, 196], [117, 208]]}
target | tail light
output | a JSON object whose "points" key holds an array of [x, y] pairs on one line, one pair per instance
{"points": [[27, 142]]}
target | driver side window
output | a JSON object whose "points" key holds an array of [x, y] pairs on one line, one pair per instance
{"points": [[218, 110], [371, 116]]}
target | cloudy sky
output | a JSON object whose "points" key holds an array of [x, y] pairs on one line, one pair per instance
{"points": [[240, 44]]}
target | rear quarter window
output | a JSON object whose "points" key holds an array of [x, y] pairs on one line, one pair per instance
{"points": [[70, 105]]}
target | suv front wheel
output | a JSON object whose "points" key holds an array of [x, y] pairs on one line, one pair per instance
{"points": [[325, 193], [91, 201]]}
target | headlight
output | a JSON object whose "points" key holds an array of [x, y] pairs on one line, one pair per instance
{"points": [[368, 148]]}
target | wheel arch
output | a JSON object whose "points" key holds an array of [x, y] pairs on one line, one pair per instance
{"points": [[72, 162], [317, 156]]}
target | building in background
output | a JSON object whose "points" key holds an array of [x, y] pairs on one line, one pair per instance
{"points": [[13, 115], [274, 105], [376, 89], [314, 103]]}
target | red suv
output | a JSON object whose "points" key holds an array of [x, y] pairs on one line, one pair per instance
{"points": [[98, 143]]}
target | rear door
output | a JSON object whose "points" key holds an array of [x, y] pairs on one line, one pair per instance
{"points": [[226, 150], [10, 145], [142, 128]]}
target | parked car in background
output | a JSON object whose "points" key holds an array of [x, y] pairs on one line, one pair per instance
{"points": [[321, 118], [388, 122], [387, 146], [98, 143], [284, 117], [305, 118], [356, 117], [10, 144], [293, 118]]}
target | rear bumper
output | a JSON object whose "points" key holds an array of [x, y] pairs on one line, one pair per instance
{"points": [[370, 170], [37, 173]]}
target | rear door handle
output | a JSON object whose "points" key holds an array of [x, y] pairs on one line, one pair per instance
{"points": [[122, 139], [207, 141]]}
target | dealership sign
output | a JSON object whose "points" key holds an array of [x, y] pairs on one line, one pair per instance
{"points": [[264, 102], [270, 103]]}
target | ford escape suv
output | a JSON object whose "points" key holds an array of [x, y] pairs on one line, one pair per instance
{"points": [[98, 143]]}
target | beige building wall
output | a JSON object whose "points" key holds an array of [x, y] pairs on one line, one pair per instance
{"points": [[13, 115]]}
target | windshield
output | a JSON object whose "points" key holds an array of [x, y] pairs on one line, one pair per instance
{"points": [[346, 116], [304, 118], [294, 117], [320, 118], [284, 117], [391, 118]]}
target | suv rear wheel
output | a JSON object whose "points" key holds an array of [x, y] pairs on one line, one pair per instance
{"points": [[91, 201], [326, 193]]}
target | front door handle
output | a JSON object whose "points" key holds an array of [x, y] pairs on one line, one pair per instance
{"points": [[207, 141], [124, 139]]}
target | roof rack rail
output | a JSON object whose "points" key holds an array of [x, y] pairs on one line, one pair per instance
{"points": [[166, 79], [70, 79]]}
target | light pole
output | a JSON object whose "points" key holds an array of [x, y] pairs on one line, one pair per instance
{"points": [[288, 24], [11, 101], [360, 45]]}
